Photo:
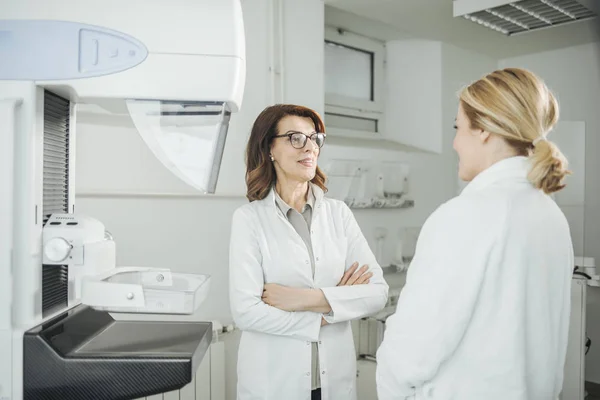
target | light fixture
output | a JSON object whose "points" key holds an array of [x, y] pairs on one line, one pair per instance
{"points": [[517, 17]]}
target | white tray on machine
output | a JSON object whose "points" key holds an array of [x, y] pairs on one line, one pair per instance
{"points": [[145, 290]]}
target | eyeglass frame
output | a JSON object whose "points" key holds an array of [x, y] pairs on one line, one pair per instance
{"points": [[291, 133]]}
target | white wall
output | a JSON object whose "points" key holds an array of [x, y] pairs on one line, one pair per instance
{"points": [[419, 101], [574, 75], [461, 67]]}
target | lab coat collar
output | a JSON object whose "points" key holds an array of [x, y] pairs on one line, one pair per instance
{"points": [[317, 192], [511, 169], [285, 207]]}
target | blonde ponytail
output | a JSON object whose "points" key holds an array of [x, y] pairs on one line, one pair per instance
{"points": [[515, 104], [548, 167]]}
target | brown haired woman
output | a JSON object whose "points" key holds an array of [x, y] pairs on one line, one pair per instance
{"points": [[485, 310], [294, 254]]}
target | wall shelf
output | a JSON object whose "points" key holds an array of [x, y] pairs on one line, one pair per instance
{"points": [[379, 203]]}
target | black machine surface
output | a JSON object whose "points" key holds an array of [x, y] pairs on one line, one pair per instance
{"points": [[86, 354]]}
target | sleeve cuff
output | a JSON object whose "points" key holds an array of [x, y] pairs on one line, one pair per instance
{"points": [[329, 317], [316, 331]]}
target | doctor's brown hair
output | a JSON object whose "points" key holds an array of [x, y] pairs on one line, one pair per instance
{"points": [[260, 172], [515, 104]]}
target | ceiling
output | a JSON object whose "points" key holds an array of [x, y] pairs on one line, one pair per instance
{"points": [[433, 20]]}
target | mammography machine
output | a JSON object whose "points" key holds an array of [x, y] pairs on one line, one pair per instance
{"points": [[177, 68]]}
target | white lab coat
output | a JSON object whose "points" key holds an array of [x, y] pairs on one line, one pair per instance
{"points": [[484, 314], [274, 358]]}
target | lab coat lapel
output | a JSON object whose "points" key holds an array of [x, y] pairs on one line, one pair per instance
{"points": [[271, 203], [319, 195], [317, 191]]}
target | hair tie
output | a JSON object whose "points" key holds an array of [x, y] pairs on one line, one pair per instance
{"points": [[539, 139]]}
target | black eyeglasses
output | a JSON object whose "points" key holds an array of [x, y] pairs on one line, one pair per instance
{"points": [[298, 139]]}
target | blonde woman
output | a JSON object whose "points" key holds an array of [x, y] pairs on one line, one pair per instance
{"points": [[485, 310]]}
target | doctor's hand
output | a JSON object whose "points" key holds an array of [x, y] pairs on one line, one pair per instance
{"points": [[354, 277], [282, 297], [295, 299]]}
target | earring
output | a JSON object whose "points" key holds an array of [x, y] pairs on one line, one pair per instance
{"points": [[272, 159]]}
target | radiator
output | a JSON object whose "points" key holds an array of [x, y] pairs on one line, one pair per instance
{"points": [[209, 382]]}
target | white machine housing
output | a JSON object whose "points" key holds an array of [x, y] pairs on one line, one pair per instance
{"points": [[177, 68], [194, 50], [82, 243], [175, 73]]}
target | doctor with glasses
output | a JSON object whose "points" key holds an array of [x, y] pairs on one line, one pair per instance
{"points": [[295, 281]]}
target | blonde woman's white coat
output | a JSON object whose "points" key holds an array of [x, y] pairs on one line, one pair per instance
{"points": [[485, 310]]}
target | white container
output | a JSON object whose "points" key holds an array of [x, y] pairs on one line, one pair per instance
{"points": [[145, 290]]}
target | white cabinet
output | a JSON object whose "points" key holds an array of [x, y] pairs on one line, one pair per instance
{"points": [[413, 109], [574, 378]]}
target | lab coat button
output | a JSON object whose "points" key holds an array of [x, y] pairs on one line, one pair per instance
{"points": [[307, 261], [308, 343], [317, 258], [323, 372], [308, 374]]}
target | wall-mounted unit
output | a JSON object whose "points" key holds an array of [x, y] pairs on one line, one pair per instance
{"points": [[522, 16], [369, 184], [353, 84]]}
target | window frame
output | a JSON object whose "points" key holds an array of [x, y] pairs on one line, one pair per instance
{"points": [[351, 113], [358, 42]]}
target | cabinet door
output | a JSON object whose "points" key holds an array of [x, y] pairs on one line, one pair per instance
{"points": [[574, 378], [200, 386], [217, 371]]}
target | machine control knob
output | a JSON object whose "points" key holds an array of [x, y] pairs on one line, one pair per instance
{"points": [[57, 249]]}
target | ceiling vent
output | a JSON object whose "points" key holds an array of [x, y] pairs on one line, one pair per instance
{"points": [[517, 17]]}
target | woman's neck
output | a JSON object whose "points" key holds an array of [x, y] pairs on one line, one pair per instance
{"points": [[500, 153], [293, 193]]}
